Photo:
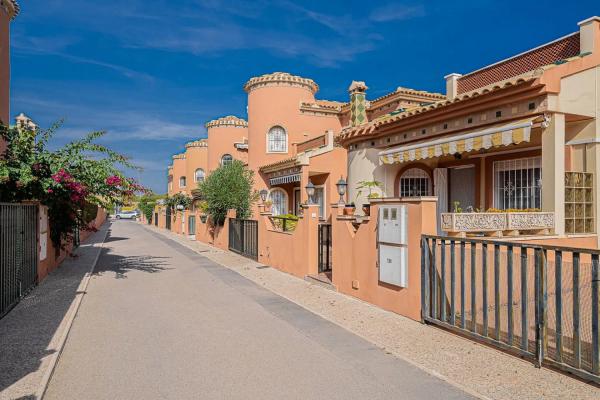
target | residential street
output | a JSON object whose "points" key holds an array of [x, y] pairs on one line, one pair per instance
{"points": [[160, 321]]}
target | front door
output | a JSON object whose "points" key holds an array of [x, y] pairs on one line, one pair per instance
{"points": [[297, 201], [461, 193], [320, 200]]}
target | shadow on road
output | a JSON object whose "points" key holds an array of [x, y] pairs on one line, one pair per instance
{"points": [[26, 332]]}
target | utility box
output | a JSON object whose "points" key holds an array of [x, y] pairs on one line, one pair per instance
{"points": [[392, 244]]}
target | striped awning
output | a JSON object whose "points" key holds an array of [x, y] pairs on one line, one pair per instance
{"points": [[504, 135], [280, 180]]}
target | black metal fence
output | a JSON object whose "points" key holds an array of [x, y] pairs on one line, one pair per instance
{"points": [[168, 218], [325, 248], [538, 301], [243, 237], [18, 253]]}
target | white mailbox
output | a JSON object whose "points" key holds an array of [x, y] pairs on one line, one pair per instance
{"points": [[392, 245]]}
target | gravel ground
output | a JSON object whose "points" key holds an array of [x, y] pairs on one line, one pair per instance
{"points": [[477, 369]]}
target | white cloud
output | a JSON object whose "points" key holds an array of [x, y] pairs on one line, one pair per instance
{"points": [[397, 12]]}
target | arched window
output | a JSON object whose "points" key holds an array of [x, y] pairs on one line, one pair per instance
{"points": [[415, 182], [279, 199], [199, 175], [182, 182], [226, 159], [277, 140]]}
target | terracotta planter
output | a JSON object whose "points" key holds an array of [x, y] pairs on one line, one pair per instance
{"points": [[349, 210], [367, 208]]}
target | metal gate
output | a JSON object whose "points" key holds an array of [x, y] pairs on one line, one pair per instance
{"points": [[192, 225], [243, 237], [325, 247], [155, 219], [168, 218], [18, 253], [540, 302]]}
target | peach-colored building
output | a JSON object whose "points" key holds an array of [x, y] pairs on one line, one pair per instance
{"points": [[227, 140], [8, 11], [519, 134]]}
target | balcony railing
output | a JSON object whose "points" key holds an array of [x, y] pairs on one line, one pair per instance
{"points": [[497, 223]]}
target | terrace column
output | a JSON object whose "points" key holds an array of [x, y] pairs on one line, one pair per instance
{"points": [[553, 170]]}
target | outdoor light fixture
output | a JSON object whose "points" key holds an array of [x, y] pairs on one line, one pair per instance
{"points": [[179, 207], [341, 188], [263, 194], [310, 191]]}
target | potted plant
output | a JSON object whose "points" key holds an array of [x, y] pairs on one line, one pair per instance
{"points": [[349, 209], [370, 186], [203, 207], [268, 205]]}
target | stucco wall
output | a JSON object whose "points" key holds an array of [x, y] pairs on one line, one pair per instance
{"points": [[364, 165], [179, 170], [4, 67], [355, 270], [195, 157], [292, 252], [221, 141], [271, 106]]}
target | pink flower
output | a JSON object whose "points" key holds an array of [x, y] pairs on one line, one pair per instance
{"points": [[50, 191], [114, 180]]}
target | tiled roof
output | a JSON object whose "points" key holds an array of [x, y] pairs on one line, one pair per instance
{"points": [[230, 120], [369, 128], [280, 78], [291, 160], [180, 156], [323, 106], [549, 53], [410, 92], [197, 143], [15, 8]]}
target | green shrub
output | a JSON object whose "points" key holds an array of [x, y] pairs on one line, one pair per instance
{"points": [[228, 187]]}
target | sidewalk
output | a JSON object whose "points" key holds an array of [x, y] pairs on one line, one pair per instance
{"points": [[32, 333], [477, 369]]}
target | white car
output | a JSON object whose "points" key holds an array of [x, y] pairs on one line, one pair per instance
{"points": [[126, 215]]}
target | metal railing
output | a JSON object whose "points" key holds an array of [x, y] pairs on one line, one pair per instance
{"points": [[284, 224], [538, 301], [243, 237], [18, 253]]}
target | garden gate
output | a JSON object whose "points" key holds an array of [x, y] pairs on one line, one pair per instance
{"points": [[18, 252], [243, 237]]}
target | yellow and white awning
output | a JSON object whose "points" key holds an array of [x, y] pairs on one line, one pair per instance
{"points": [[513, 133]]}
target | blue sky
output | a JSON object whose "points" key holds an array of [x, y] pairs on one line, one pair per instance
{"points": [[152, 72]]}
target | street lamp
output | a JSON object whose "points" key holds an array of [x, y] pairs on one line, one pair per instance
{"points": [[263, 195], [310, 191], [179, 207], [341, 188]]}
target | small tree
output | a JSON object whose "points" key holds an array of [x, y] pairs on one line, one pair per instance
{"points": [[147, 203], [229, 187]]}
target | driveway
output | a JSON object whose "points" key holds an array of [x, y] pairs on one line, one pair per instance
{"points": [[160, 321]]}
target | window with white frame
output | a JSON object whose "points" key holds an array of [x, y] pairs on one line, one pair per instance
{"points": [[279, 199], [182, 182], [518, 183], [226, 159], [199, 175], [277, 140], [415, 182]]}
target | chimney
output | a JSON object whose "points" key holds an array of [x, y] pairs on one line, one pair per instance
{"points": [[589, 35], [358, 103], [452, 85]]}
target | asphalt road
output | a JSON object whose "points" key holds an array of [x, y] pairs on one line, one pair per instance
{"points": [[160, 321]]}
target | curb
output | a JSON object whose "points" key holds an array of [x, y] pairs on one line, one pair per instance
{"points": [[72, 313]]}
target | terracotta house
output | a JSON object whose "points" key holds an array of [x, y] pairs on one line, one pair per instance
{"points": [[520, 134], [9, 9]]}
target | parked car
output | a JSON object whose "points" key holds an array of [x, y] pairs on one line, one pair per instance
{"points": [[126, 215]]}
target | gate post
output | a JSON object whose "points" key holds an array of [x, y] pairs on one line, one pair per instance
{"points": [[541, 305]]}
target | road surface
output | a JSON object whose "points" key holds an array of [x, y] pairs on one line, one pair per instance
{"points": [[160, 321]]}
